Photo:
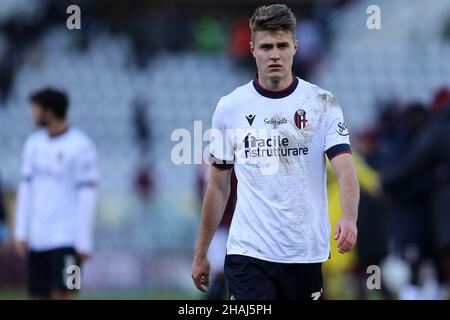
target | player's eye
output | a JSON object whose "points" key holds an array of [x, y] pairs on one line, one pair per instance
{"points": [[266, 46]]}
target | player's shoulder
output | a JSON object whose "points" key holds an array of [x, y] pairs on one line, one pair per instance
{"points": [[80, 137], [313, 89], [317, 93], [240, 93]]}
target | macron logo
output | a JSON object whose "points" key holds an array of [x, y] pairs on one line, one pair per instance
{"points": [[250, 118]]}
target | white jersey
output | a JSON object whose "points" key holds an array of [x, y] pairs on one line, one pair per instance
{"points": [[278, 142], [54, 169]]}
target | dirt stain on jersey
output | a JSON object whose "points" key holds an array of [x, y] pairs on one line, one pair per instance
{"points": [[315, 113], [327, 99], [288, 165]]}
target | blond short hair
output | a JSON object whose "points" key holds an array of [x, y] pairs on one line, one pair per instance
{"points": [[275, 17]]}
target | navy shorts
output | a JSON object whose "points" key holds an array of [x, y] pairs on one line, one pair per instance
{"points": [[254, 279], [47, 270]]}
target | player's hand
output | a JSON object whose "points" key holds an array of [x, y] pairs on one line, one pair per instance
{"points": [[200, 272], [346, 233], [82, 256], [21, 247]]}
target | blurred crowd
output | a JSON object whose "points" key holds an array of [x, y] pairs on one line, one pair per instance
{"points": [[205, 30], [404, 225]]}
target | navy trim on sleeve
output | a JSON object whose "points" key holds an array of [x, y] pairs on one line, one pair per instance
{"points": [[27, 179], [338, 149], [86, 184], [220, 164]]}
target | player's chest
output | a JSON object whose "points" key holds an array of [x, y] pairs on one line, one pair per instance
{"points": [[53, 160], [298, 119]]}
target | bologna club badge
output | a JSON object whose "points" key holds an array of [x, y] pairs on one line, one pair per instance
{"points": [[300, 119]]}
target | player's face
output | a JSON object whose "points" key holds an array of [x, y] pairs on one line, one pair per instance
{"points": [[274, 53], [38, 115]]}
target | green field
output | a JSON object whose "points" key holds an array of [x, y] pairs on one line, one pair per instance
{"points": [[19, 294]]}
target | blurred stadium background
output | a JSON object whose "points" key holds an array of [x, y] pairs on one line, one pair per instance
{"points": [[137, 70]]}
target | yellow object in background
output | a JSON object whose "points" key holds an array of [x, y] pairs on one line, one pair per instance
{"points": [[337, 268]]}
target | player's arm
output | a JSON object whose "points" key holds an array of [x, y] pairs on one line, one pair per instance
{"points": [[86, 187], [214, 202], [346, 230], [338, 150], [86, 204], [23, 199], [22, 217]]}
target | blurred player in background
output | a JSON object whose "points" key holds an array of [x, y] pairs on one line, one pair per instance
{"points": [[56, 199], [3, 218], [279, 235], [218, 248]]}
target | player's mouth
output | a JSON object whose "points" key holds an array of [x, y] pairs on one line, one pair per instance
{"points": [[275, 66]]}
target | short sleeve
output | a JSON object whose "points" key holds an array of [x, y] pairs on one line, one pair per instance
{"points": [[27, 165], [86, 171], [336, 140], [221, 146]]}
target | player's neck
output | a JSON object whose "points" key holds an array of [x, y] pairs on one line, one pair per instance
{"points": [[276, 85], [57, 128]]}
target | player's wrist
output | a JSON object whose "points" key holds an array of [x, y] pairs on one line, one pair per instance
{"points": [[350, 218], [201, 252]]}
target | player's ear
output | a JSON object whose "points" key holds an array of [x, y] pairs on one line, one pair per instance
{"points": [[252, 48], [295, 46], [46, 115]]}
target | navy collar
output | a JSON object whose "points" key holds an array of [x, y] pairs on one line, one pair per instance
{"points": [[60, 134], [275, 94]]}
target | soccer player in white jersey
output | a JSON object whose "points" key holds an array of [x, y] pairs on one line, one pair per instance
{"points": [[56, 199], [276, 131]]}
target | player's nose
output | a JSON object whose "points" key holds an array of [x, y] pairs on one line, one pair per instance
{"points": [[274, 56]]}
